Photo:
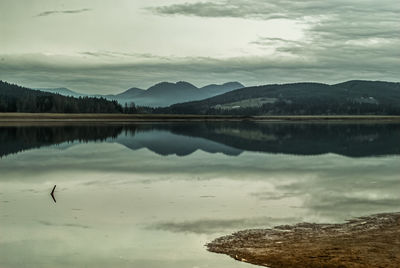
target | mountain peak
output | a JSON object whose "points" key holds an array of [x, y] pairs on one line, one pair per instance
{"points": [[132, 92], [134, 89], [164, 83], [162, 86], [233, 84], [184, 83]]}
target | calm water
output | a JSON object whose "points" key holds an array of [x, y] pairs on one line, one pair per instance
{"points": [[151, 195]]}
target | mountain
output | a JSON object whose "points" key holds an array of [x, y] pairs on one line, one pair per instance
{"points": [[351, 97], [165, 93], [14, 98], [62, 91], [159, 95]]}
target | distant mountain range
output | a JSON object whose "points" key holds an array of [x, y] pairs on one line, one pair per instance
{"points": [[356, 97], [159, 95], [352, 97], [62, 91]]}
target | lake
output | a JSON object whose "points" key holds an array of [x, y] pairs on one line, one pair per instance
{"points": [[151, 195]]}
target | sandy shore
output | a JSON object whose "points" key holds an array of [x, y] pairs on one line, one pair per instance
{"points": [[47, 117], [372, 241]]}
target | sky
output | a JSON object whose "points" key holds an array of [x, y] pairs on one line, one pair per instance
{"points": [[109, 46]]}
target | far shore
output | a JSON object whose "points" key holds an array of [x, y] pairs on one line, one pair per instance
{"points": [[58, 117]]}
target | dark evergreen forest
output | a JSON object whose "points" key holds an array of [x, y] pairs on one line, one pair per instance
{"points": [[14, 98]]}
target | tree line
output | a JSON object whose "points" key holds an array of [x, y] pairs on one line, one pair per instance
{"points": [[308, 106], [17, 99]]}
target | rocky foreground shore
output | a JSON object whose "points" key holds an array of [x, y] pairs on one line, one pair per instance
{"points": [[372, 241]]}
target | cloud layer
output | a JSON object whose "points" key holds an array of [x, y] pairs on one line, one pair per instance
{"points": [[46, 71]]}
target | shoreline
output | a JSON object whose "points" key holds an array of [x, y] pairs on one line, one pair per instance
{"points": [[371, 241], [52, 117]]}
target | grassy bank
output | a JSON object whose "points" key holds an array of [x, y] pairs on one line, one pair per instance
{"points": [[368, 242]]}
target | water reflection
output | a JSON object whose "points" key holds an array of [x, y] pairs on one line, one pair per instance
{"points": [[151, 195], [230, 138]]}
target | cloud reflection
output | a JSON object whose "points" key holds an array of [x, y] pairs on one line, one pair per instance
{"points": [[210, 226]]}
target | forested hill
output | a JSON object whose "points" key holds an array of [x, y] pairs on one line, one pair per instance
{"points": [[348, 98], [14, 98]]}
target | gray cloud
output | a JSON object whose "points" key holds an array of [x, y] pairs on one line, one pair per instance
{"points": [[338, 19], [341, 38], [234, 9], [276, 9], [53, 12]]}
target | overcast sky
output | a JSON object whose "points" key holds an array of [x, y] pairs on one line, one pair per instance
{"points": [[109, 46]]}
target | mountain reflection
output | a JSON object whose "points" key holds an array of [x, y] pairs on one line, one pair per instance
{"points": [[230, 138]]}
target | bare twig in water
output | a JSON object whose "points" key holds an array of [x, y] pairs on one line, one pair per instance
{"points": [[52, 194]]}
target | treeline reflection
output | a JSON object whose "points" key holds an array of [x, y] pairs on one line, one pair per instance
{"points": [[231, 138]]}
